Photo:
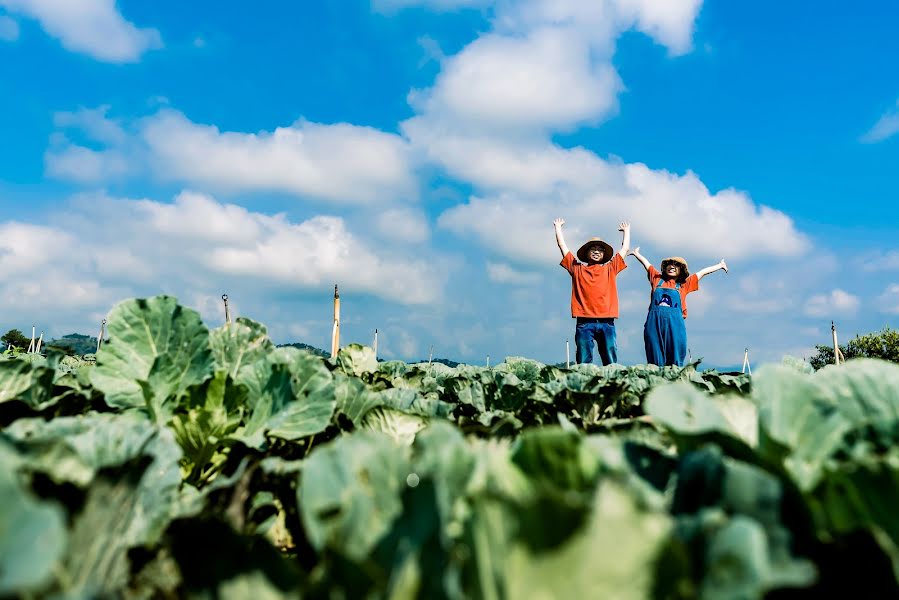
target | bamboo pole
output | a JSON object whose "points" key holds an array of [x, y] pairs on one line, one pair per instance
{"points": [[102, 333], [488, 361], [837, 354], [567, 355], [335, 332], [430, 354], [227, 309], [746, 366], [374, 344], [37, 349], [31, 345]]}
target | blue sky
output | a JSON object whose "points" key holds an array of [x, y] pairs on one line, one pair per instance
{"points": [[416, 151]]}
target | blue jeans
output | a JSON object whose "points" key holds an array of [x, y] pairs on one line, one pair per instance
{"points": [[602, 331]]}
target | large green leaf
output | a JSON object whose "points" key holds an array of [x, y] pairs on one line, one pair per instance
{"points": [[76, 449], [241, 343], [157, 350], [22, 380], [611, 557], [686, 411], [356, 359], [32, 533], [349, 493], [809, 419], [291, 395]]}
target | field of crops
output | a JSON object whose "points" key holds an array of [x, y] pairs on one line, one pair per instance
{"points": [[186, 462]]}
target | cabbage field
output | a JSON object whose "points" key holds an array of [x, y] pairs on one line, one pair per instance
{"points": [[183, 462]]}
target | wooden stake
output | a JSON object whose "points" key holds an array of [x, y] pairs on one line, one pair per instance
{"points": [[374, 344], [567, 355], [227, 309], [837, 354], [488, 361], [102, 333], [31, 345], [335, 332], [430, 354], [746, 366], [37, 349]]}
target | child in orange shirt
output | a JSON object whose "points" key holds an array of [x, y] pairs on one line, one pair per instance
{"points": [[594, 294], [665, 333]]}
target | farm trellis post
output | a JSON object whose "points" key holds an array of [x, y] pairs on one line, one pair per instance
{"points": [[746, 366], [335, 332], [227, 309], [374, 344], [567, 355], [31, 345], [837, 354], [37, 349], [102, 334]]}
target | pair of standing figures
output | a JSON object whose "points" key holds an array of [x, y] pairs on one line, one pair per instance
{"points": [[594, 299]]}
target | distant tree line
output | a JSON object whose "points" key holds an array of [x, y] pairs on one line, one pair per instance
{"points": [[883, 345]]}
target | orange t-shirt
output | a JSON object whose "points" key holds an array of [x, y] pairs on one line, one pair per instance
{"points": [[593, 290], [690, 285]]}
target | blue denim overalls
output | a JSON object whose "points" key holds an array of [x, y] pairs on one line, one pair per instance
{"points": [[665, 334]]}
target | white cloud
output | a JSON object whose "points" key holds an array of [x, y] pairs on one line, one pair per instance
{"points": [[503, 273], [404, 225], [886, 126], [339, 162], [9, 29], [888, 301], [92, 27], [670, 212], [65, 160], [101, 250], [94, 123], [546, 79], [885, 261], [545, 67], [837, 302], [546, 64], [668, 22]]}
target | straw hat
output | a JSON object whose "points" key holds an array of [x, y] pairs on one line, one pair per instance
{"points": [[608, 253], [685, 270]]}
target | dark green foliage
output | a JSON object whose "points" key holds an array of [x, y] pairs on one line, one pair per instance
{"points": [[883, 345], [16, 339], [188, 463]]}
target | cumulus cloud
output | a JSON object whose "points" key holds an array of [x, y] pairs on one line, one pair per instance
{"points": [[888, 301], [92, 27], [668, 211], [338, 162], [884, 261], [503, 273], [9, 29], [837, 302], [546, 64], [403, 224], [886, 126], [101, 250], [546, 79]]}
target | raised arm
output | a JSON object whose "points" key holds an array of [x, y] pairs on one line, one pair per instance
{"points": [[560, 239], [625, 227], [636, 252], [720, 266]]}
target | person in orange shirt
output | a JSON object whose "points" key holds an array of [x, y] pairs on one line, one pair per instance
{"points": [[665, 333], [594, 294]]}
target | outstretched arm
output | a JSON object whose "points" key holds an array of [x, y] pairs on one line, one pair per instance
{"points": [[636, 252], [560, 239], [720, 266], [625, 227]]}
